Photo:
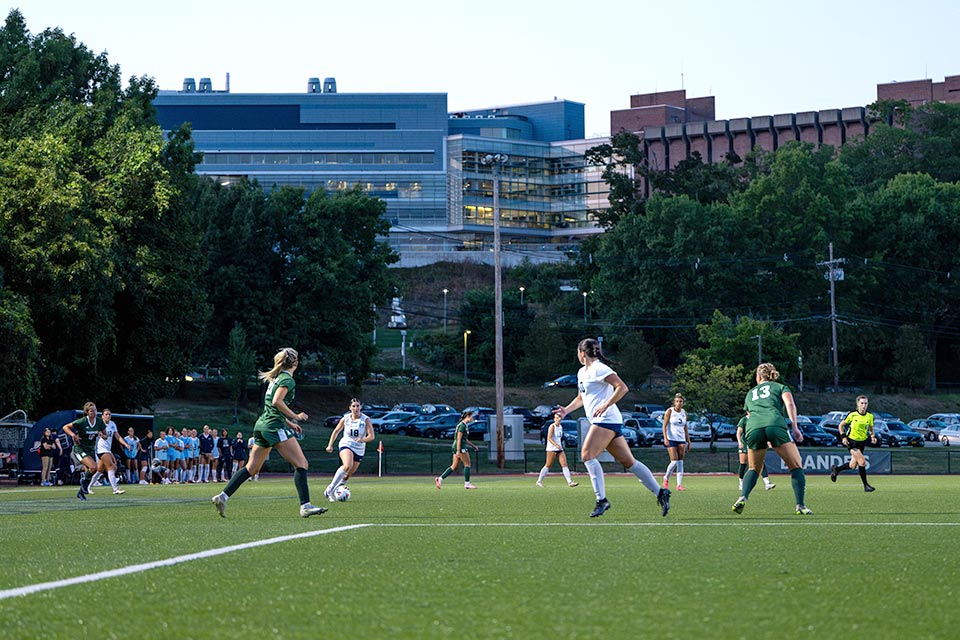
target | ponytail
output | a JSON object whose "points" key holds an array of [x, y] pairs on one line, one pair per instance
{"points": [[285, 359], [591, 348]]}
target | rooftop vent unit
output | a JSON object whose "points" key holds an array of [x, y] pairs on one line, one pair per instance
{"points": [[329, 85], [206, 86], [189, 85], [313, 85]]}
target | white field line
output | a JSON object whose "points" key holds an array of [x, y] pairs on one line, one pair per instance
{"points": [[803, 521], [136, 568], [200, 555]]}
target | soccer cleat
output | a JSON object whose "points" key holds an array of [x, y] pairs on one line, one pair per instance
{"points": [[328, 494], [144, 482], [666, 483], [867, 488], [738, 506], [220, 502], [539, 484], [680, 487], [117, 492], [307, 510], [803, 511], [663, 499], [600, 508], [81, 496], [770, 485], [438, 481], [573, 484], [833, 474], [469, 485]]}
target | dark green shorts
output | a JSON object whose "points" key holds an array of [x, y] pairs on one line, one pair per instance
{"points": [[272, 437], [758, 438]]}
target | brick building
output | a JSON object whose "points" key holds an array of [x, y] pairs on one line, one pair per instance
{"points": [[673, 127]]}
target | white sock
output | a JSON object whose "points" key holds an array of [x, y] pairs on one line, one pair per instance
{"points": [[543, 474], [596, 477], [645, 476], [94, 480], [679, 473], [566, 474], [337, 480], [670, 468], [112, 475]]}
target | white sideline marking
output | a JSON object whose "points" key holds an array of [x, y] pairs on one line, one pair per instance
{"points": [[136, 568], [805, 522]]}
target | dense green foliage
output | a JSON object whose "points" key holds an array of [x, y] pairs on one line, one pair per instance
{"points": [[119, 267]]}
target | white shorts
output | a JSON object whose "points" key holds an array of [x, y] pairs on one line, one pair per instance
{"points": [[103, 446], [554, 448]]}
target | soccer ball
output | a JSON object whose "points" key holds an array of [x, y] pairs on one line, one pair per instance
{"points": [[342, 493]]}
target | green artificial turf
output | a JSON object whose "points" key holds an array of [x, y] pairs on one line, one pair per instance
{"points": [[508, 560]]}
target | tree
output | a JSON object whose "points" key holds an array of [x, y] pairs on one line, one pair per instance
{"points": [[913, 362], [706, 183], [737, 343], [637, 358], [241, 365], [546, 352], [92, 234], [713, 388], [624, 166]]}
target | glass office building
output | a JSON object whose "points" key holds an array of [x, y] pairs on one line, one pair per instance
{"points": [[406, 149]]}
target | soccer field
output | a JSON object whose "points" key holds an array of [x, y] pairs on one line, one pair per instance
{"points": [[404, 560]]}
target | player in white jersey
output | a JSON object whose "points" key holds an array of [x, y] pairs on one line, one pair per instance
{"points": [[676, 438], [106, 463], [554, 451], [357, 432], [599, 390]]}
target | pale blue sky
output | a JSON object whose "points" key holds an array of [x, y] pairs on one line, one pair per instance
{"points": [[756, 57]]}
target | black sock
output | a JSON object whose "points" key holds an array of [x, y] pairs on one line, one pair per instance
{"points": [[300, 481], [743, 469], [863, 475], [238, 479], [842, 468]]}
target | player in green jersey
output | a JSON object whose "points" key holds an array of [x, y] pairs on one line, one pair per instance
{"points": [[767, 404], [276, 428], [853, 431], [460, 453], [84, 431]]}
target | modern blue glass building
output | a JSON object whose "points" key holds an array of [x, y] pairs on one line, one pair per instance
{"points": [[406, 149]]}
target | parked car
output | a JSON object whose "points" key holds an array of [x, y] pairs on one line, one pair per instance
{"points": [[571, 432], [543, 411], [723, 427], [432, 426], [562, 381], [929, 429], [476, 431], [481, 411], [399, 425], [409, 406], [949, 418], [648, 408], [811, 419], [814, 436], [950, 435], [699, 430], [438, 409], [530, 421], [330, 422], [649, 431], [897, 434], [831, 422], [391, 416]]}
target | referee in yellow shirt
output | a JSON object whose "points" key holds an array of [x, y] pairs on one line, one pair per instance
{"points": [[858, 424]]}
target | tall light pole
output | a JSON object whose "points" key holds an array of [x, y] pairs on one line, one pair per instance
{"points": [[584, 307], [522, 289], [465, 334], [495, 161], [759, 340], [445, 311]]}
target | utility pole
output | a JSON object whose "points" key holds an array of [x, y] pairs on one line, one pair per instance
{"points": [[834, 274]]}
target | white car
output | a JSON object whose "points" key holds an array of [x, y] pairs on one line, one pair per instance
{"points": [[950, 435]]}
